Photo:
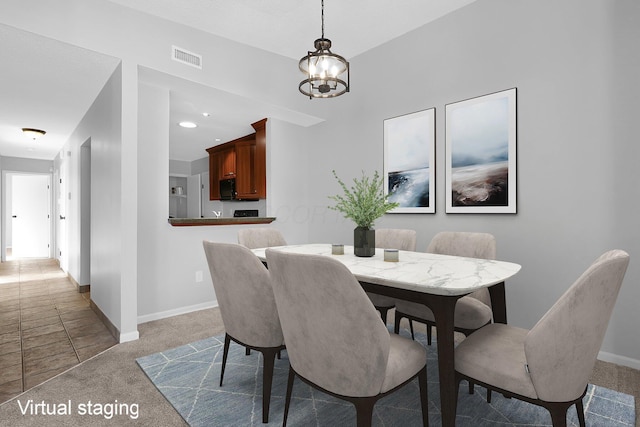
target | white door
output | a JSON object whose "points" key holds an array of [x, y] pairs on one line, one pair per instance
{"points": [[30, 220]]}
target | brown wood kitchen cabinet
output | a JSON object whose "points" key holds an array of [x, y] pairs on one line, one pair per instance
{"points": [[227, 163], [243, 159]]}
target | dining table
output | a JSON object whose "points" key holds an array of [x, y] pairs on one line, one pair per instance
{"points": [[435, 280]]}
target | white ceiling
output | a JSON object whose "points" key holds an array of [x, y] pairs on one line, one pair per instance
{"points": [[45, 85], [289, 27], [50, 85]]}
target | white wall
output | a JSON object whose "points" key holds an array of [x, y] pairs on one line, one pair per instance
{"points": [[102, 124], [575, 67], [84, 275]]}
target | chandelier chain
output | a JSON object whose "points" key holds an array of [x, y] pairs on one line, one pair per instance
{"points": [[322, 3]]}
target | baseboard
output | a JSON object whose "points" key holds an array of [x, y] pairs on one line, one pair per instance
{"points": [[176, 312], [110, 326], [619, 360], [81, 288]]}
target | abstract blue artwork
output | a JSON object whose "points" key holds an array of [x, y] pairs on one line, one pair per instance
{"points": [[481, 154], [409, 161]]}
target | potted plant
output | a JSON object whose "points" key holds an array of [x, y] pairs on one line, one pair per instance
{"points": [[364, 202]]}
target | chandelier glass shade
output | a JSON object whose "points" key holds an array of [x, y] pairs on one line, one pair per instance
{"points": [[327, 74]]}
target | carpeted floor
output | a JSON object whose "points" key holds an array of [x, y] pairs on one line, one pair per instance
{"points": [[188, 376], [115, 375]]}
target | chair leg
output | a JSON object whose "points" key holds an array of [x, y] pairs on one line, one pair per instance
{"points": [[225, 353], [471, 391], [428, 334], [247, 351], [580, 409], [558, 415], [267, 379], [287, 401], [364, 411], [396, 322], [424, 398], [413, 337], [383, 313]]}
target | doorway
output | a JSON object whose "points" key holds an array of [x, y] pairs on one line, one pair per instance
{"points": [[28, 215]]}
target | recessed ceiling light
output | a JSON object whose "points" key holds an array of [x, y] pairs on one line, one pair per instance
{"points": [[217, 139], [189, 125], [206, 114]]}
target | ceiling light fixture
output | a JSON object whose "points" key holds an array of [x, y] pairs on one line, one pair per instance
{"points": [[188, 125], [33, 133], [327, 73]]}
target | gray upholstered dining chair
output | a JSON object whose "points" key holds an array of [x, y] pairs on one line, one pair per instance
{"points": [[260, 237], [336, 341], [472, 311], [391, 238], [247, 306], [550, 364]]}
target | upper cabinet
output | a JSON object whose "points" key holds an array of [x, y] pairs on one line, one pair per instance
{"points": [[246, 164], [243, 159], [227, 163]]}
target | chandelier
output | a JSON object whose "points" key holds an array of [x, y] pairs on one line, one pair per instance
{"points": [[327, 74]]}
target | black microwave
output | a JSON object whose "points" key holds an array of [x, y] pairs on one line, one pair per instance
{"points": [[228, 189]]}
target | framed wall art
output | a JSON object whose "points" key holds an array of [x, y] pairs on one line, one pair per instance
{"points": [[480, 146], [409, 161]]}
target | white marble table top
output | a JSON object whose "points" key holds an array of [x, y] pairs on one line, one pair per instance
{"points": [[417, 271]]}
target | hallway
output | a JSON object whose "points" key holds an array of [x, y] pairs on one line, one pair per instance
{"points": [[46, 326]]}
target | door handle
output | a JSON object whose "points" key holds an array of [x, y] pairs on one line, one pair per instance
{"points": [[14, 216], [63, 217]]}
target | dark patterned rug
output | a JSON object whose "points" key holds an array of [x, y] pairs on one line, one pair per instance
{"points": [[188, 377]]}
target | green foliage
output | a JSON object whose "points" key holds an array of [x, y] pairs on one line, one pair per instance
{"points": [[364, 202]]}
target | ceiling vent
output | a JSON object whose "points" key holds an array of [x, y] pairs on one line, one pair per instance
{"points": [[186, 57]]}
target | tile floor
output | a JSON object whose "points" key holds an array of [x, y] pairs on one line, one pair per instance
{"points": [[46, 326]]}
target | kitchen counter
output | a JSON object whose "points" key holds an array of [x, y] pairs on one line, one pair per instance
{"points": [[192, 222]]}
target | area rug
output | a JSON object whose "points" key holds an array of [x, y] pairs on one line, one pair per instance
{"points": [[189, 376]]}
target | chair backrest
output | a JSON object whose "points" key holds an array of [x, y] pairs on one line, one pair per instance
{"points": [[262, 237], [396, 238], [561, 349], [466, 244], [462, 243], [245, 296], [335, 337]]}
